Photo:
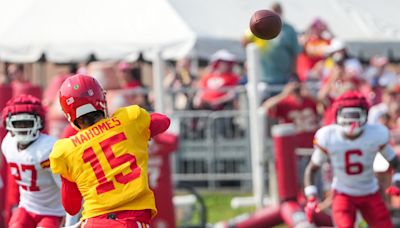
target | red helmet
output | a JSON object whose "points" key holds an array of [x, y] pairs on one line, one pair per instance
{"points": [[351, 110], [81, 94], [350, 99], [24, 108]]}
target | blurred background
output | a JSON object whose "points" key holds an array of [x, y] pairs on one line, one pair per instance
{"points": [[197, 62]]}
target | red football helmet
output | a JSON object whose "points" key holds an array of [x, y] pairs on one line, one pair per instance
{"points": [[24, 117], [81, 94], [351, 110]]}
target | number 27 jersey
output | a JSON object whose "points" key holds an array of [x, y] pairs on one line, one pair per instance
{"points": [[108, 162], [352, 160]]}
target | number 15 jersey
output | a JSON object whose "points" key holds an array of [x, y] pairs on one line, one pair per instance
{"points": [[352, 160], [108, 162]]}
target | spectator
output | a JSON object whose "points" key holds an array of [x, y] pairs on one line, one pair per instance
{"points": [[337, 58], [338, 73], [51, 91], [179, 81], [4, 79], [19, 83], [391, 117], [315, 41], [216, 92], [129, 75], [378, 75], [213, 93], [278, 56], [130, 80], [16, 73], [390, 95], [55, 119], [294, 105]]}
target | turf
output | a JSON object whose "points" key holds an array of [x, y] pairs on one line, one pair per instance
{"points": [[218, 207]]}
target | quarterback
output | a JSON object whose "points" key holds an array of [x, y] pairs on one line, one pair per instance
{"points": [[351, 145], [105, 163], [27, 151]]}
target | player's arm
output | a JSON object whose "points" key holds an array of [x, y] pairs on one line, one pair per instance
{"points": [[158, 124], [318, 157], [275, 100], [70, 196], [388, 153], [309, 174]]}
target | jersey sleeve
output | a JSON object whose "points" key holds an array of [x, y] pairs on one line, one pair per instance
{"points": [[319, 157], [320, 154], [70, 196], [158, 124], [387, 152], [57, 161], [383, 137], [138, 115]]}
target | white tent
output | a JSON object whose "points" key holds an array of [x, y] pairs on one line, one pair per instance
{"points": [[73, 30]]}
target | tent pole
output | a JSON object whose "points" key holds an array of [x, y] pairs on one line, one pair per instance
{"points": [[158, 75]]}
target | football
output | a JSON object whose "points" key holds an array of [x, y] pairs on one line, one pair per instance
{"points": [[265, 24]]}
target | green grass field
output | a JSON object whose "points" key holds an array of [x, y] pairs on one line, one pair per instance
{"points": [[219, 208]]}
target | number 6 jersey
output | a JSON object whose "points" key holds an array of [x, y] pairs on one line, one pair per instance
{"points": [[39, 189], [352, 160], [108, 162]]}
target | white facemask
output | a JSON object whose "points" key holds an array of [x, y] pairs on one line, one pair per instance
{"points": [[352, 120], [24, 135]]}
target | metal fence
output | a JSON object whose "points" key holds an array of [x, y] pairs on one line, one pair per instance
{"points": [[214, 149]]}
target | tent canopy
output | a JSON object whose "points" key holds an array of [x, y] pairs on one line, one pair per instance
{"points": [[73, 30]]}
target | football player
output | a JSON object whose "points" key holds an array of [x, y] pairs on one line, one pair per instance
{"points": [[351, 146], [27, 151], [105, 163]]}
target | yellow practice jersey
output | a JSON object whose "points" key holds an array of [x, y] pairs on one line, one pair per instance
{"points": [[108, 162], [263, 45]]}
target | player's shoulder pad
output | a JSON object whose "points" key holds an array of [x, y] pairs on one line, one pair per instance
{"points": [[58, 148], [378, 132], [323, 135], [132, 111], [46, 141], [44, 146], [6, 141]]}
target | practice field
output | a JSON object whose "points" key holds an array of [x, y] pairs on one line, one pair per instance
{"points": [[218, 207]]}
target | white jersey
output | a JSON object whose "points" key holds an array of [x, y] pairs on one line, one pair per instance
{"points": [[39, 188], [352, 160]]}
